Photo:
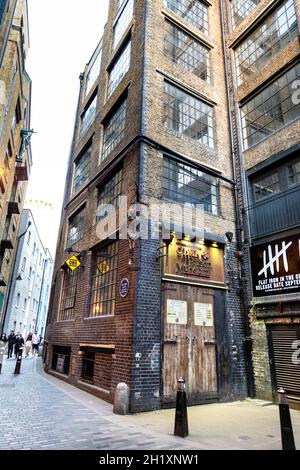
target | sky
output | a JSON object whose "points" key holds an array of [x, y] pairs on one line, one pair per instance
{"points": [[63, 36]]}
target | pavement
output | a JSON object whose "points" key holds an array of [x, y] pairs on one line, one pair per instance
{"points": [[41, 412]]}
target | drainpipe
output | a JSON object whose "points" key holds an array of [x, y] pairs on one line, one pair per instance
{"points": [[239, 229]]}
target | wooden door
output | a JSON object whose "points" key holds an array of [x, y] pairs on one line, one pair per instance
{"points": [[189, 348]]}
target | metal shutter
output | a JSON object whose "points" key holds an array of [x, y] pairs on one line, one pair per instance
{"points": [[285, 372]]}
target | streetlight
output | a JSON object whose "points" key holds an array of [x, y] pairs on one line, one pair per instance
{"points": [[11, 278]]}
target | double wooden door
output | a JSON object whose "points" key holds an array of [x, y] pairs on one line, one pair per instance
{"points": [[189, 342]]}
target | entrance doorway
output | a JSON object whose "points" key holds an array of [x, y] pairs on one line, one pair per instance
{"points": [[189, 342]]}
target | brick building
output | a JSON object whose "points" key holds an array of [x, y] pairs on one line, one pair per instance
{"points": [[15, 152], [153, 125], [263, 53]]}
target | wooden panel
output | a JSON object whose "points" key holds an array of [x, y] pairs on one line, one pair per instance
{"points": [[190, 349]]}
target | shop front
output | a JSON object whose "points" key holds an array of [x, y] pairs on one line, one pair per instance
{"points": [[276, 290], [193, 306]]}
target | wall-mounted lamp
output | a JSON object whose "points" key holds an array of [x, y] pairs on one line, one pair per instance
{"points": [[229, 236]]}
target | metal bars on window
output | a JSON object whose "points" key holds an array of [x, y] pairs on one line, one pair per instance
{"points": [[88, 117], [188, 115], [123, 21], [241, 9], [187, 52], [194, 12], [271, 109], [105, 273], [67, 302], [119, 69], [82, 170], [188, 185], [109, 196], [76, 225], [278, 30], [114, 130]]}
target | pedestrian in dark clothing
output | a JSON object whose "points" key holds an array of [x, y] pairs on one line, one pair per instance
{"points": [[19, 344], [11, 341]]}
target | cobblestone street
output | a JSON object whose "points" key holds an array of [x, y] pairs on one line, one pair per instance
{"points": [[41, 412]]}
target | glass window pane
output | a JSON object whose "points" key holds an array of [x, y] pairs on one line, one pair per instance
{"points": [[187, 185], [123, 21], [114, 130], [193, 12], [119, 69]]}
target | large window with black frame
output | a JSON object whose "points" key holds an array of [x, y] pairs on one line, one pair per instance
{"points": [[88, 116], [114, 129], [188, 115], [241, 9], [93, 72], [109, 196], [82, 170], [119, 68], [104, 281], [273, 35], [68, 295], [76, 226], [186, 184], [272, 108], [186, 51], [124, 16], [194, 12]]}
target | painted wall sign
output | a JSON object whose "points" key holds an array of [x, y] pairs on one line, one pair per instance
{"points": [[124, 287], [176, 312], [276, 267], [195, 260], [203, 314]]}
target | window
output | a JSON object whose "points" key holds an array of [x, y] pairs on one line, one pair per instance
{"points": [[277, 181], [188, 115], [25, 304], [88, 363], [294, 173], [104, 283], [119, 69], [114, 130], [93, 73], [28, 237], [187, 52], [193, 11], [23, 264], [188, 185], [266, 186], [33, 250], [122, 22], [241, 9], [18, 299], [279, 29], [76, 224], [61, 359], [270, 109], [30, 273], [67, 302], [109, 195], [88, 117], [82, 170]]}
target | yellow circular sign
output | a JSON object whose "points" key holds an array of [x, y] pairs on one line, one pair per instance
{"points": [[103, 267]]}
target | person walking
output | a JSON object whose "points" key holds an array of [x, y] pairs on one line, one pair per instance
{"points": [[11, 342], [19, 344], [35, 343], [28, 345]]}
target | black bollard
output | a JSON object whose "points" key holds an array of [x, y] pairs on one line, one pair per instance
{"points": [[181, 428], [19, 361], [287, 436]]}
